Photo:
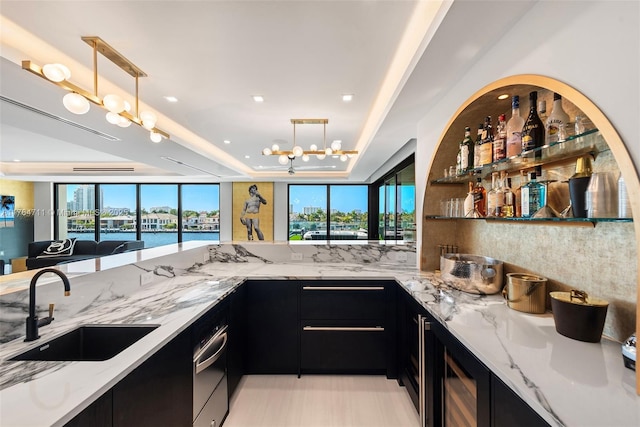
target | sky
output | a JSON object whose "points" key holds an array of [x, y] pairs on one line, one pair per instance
{"points": [[194, 197]]}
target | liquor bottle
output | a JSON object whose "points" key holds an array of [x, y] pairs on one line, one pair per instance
{"points": [[495, 197], [480, 198], [514, 129], [486, 148], [542, 111], [500, 139], [509, 206], [459, 161], [476, 148], [533, 197], [468, 203], [556, 119], [518, 193], [466, 151], [533, 129]]}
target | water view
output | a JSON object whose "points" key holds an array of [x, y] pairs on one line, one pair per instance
{"points": [[151, 239]]}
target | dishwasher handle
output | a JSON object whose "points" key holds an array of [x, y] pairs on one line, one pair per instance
{"points": [[213, 346]]}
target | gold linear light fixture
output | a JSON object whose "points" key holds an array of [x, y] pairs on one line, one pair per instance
{"points": [[77, 100], [286, 156]]}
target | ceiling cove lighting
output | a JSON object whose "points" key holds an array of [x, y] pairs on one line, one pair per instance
{"points": [[287, 156], [78, 99]]}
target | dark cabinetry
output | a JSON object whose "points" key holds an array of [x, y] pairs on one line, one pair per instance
{"points": [[237, 333], [272, 327], [158, 392], [347, 326], [417, 358], [465, 384], [98, 414], [507, 409], [471, 394]]}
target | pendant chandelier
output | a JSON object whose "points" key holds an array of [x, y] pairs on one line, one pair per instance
{"points": [[287, 156], [78, 100]]}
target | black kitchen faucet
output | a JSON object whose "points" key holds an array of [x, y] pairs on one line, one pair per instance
{"points": [[32, 321]]}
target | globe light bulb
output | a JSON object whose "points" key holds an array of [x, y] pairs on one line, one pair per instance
{"points": [[275, 147], [123, 122], [336, 145], [343, 157], [321, 156], [297, 151], [283, 159], [149, 119], [328, 151], [76, 103], [155, 137], [56, 72], [113, 118], [313, 147], [113, 103], [266, 152]]}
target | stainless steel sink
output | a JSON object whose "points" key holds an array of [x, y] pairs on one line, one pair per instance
{"points": [[88, 343]]}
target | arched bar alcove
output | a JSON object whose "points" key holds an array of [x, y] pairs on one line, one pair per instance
{"points": [[599, 256]]}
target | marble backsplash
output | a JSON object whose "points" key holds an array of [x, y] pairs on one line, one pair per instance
{"points": [[600, 260], [351, 253]]}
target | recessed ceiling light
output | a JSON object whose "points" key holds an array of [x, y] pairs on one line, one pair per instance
{"points": [[16, 160], [247, 156], [347, 97], [171, 98], [258, 98], [226, 141], [503, 96]]}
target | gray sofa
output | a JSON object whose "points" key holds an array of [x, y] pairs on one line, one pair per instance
{"points": [[38, 257]]}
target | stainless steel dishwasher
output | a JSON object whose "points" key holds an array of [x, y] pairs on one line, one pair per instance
{"points": [[210, 396]]}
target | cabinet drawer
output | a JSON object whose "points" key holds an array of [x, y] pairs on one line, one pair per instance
{"points": [[343, 349], [352, 301]]}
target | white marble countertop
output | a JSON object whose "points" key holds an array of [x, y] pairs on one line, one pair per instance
{"points": [[569, 383]]}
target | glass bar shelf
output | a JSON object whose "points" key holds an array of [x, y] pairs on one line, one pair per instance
{"points": [[537, 220], [590, 142]]}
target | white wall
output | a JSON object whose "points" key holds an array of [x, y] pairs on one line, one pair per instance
{"points": [[226, 209], [43, 204], [593, 46], [280, 212]]}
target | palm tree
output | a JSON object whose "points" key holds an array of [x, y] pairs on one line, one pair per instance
{"points": [[7, 205]]}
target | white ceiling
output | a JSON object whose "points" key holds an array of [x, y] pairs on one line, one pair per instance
{"points": [[397, 57]]}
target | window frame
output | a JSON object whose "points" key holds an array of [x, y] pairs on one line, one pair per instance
{"points": [[138, 185], [374, 209], [328, 205]]}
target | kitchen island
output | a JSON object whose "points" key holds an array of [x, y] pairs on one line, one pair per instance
{"points": [[567, 382]]}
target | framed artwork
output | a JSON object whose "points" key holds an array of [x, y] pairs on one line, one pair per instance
{"points": [[7, 211], [252, 211]]}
